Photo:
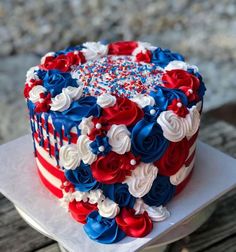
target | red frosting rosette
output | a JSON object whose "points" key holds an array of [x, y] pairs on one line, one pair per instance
{"points": [[113, 168], [79, 210], [174, 157], [123, 112], [184, 81], [122, 47], [63, 62], [134, 225], [144, 56]]}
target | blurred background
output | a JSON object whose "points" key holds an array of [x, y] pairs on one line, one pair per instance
{"points": [[203, 31]]}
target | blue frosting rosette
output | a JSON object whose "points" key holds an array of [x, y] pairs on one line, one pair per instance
{"points": [[147, 141], [119, 193], [162, 57], [82, 178], [102, 229], [162, 191], [54, 81]]}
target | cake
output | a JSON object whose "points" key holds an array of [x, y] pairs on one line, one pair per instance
{"points": [[114, 129]]}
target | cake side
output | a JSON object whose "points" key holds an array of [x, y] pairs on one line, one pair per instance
{"points": [[114, 130]]}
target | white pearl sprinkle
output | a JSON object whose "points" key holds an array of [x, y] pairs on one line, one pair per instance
{"points": [[133, 162], [101, 148], [41, 100], [190, 91], [98, 126], [179, 104], [76, 52], [152, 111]]}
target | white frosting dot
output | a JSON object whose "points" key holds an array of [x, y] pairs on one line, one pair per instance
{"points": [[98, 126], [66, 183], [41, 100], [76, 52], [101, 148], [133, 162], [179, 104], [190, 91], [152, 111]]}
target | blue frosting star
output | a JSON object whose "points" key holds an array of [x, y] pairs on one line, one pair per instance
{"points": [[100, 145]]}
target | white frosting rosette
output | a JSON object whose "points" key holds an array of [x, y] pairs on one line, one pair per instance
{"points": [[106, 100], [61, 102], [94, 50], [175, 128], [155, 213], [80, 196], [69, 156], [143, 100], [34, 93], [95, 196], [84, 150], [74, 92], [141, 179], [31, 75], [119, 138], [108, 208], [86, 125], [176, 64]]}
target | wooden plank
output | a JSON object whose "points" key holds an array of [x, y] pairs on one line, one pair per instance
{"points": [[219, 134], [51, 248], [15, 233]]}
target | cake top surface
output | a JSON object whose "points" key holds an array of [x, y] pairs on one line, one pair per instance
{"points": [[118, 74], [135, 70]]}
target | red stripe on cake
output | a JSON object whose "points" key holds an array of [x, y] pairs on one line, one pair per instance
{"points": [[54, 190], [181, 186], [190, 159], [193, 139], [51, 169], [45, 146]]}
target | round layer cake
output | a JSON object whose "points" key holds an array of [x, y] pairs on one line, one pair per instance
{"points": [[114, 129]]}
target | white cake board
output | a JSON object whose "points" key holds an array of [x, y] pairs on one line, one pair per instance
{"points": [[214, 175], [187, 227]]}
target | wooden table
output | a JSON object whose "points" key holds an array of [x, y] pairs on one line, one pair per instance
{"points": [[218, 234]]}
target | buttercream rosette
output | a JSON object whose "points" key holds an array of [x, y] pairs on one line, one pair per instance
{"points": [[114, 128]]}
